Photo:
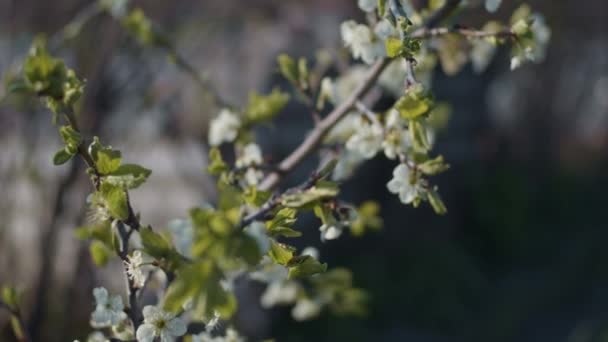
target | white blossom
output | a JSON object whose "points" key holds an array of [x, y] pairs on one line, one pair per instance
{"points": [[108, 309], [251, 155], [492, 5], [362, 42], [347, 163], [97, 336], [397, 140], [367, 140], [330, 232], [403, 184], [384, 29], [311, 251], [533, 50], [279, 292], [367, 5], [160, 324], [231, 336], [133, 269], [305, 309], [482, 53], [224, 128]]}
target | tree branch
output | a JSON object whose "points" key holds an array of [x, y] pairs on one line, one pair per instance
{"points": [[314, 139]]}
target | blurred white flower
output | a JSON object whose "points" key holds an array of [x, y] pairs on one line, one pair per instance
{"points": [[492, 5], [384, 29], [311, 251], [403, 184], [96, 336], [305, 309], [347, 163], [530, 49], [482, 53], [362, 42], [160, 324], [257, 230], [367, 139], [279, 292], [108, 310], [251, 155], [367, 5], [224, 128], [397, 140], [133, 269], [231, 336]]}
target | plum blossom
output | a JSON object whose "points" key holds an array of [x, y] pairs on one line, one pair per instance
{"points": [[160, 324], [108, 309], [409, 188], [367, 139], [362, 42], [133, 269], [224, 128]]}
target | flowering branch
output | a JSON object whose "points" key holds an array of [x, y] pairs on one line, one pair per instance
{"points": [[314, 139]]}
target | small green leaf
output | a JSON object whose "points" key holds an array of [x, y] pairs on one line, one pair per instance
{"points": [[10, 296], [128, 176], [321, 191], [190, 281], [100, 253], [217, 164], [280, 253], [115, 200], [155, 244], [263, 108], [436, 202], [418, 135], [288, 68], [107, 161], [255, 197], [62, 156], [305, 266], [415, 103], [433, 166]]}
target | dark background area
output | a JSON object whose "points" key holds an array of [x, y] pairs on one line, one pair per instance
{"points": [[521, 256]]}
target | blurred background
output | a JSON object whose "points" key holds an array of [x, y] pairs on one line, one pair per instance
{"points": [[521, 256]]}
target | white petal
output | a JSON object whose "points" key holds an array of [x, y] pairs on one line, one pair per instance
{"points": [[146, 333], [332, 233], [176, 326], [394, 185], [408, 195], [305, 309], [492, 5], [152, 314], [101, 295]]}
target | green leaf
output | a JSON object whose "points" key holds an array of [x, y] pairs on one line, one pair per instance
{"points": [[255, 197], [288, 68], [321, 191], [418, 135], [305, 266], [115, 200], [394, 47], [280, 253], [328, 168], [155, 244], [71, 138], [263, 108], [128, 176], [381, 8], [436, 202], [433, 166], [100, 253], [367, 218], [415, 103], [62, 156], [107, 161], [44, 74], [303, 73], [10, 296], [190, 281], [217, 164], [99, 232]]}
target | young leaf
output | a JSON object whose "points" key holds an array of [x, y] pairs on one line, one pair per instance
{"points": [[62, 156], [305, 266], [115, 200], [129, 176], [100, 253], [280, 253], [394, 47]]}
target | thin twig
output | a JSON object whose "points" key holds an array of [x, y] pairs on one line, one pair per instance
{"points": [[470, 33]]}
